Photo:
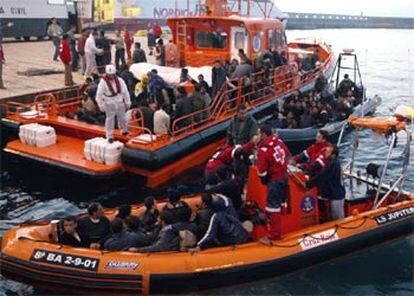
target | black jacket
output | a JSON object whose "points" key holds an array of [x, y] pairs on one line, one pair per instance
{"points": [[94, 232], [183, 107], [224, 230], [167, 240], [181, 211], [70, 240], [231, 188], [149, 219], [330, 181], [241, 132], [202, 220], [124, 240], [218, 77], [138, 56]]}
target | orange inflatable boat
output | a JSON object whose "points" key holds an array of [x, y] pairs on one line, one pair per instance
{"points": [[31, 251]]}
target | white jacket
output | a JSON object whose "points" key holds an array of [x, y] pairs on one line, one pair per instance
{"points": [[161, 122], [90, 45], [103, 94]]}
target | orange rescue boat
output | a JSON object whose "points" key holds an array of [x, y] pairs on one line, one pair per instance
{"points": [[31, 251], [158, 158]]}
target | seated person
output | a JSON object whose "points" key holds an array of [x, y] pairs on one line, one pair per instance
{"points": [[70, 235], [291, 121], [329, 180], [123, 212], [277, 120], [223, 230], [134, 226], [123, 240], [179, 209], [167, 239], [306, 119], [162, 120], [149, 218], [229, 185], [94, 228], [203, 215]]}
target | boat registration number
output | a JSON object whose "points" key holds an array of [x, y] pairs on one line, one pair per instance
{"points": [[395, 215], [62, 259]]}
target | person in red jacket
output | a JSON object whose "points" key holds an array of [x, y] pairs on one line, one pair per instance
{"points": [[66, 58], [313, 159], [157, 31], [224, 156], [128, 40], [272, 161]]}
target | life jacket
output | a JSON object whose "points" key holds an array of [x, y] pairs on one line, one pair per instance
{"points": [[111, 87]]}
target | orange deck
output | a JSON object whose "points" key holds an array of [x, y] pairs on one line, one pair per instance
{"points": [[67, 152]]}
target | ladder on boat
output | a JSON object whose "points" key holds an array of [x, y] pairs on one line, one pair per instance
{"points": [[182, 39]]}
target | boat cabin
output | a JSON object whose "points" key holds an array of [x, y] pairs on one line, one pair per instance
{"points": [[220, 33]]}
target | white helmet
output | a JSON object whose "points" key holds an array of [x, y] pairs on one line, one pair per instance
{"points": [[110, 69]]}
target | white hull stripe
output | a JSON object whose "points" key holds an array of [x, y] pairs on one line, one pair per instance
{"points": [[272, 210]]}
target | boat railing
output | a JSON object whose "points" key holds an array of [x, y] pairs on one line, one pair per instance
{"points": [[138, 133], [263, 86], [225, 103], [68, 100], [43, 105], [202, 117]]}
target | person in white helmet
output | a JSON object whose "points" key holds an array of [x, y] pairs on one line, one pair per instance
{"points": [[113, 98]]}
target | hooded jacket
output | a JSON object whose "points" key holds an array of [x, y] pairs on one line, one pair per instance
{"points": [[224, 229]]}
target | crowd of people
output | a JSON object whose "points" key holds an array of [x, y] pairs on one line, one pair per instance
{"points": [[175, 228], [161, 104], [317, 107], [90, 52], [221, 218]]}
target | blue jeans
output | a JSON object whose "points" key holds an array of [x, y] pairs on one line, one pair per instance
{"points": [[276, 194]]}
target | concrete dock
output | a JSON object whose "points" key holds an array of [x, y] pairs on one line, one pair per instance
{"points": [[22, 56]]}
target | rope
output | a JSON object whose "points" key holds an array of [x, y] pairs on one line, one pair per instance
{"points": [[337, 227]]}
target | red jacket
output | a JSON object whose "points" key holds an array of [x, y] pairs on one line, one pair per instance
{"points": [[224, 156], [273, 159], [128, 40], [157, 31], [313, 153], [65, 52], [81, 44]]}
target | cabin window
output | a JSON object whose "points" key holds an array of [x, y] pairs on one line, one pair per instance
{"points": [[280, 38], [56, 2], [271, 39], [211, 40], [239, 40]]}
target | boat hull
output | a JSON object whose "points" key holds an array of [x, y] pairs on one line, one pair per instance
{"points": [[24, 256]]}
